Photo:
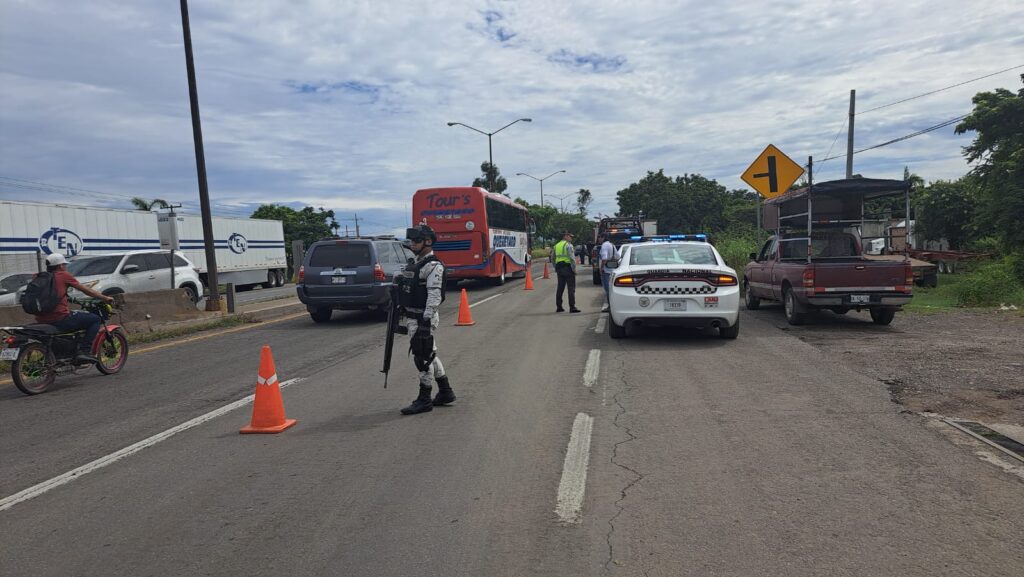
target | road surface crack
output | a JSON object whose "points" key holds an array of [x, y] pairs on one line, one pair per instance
{"points": [[638, 476]]}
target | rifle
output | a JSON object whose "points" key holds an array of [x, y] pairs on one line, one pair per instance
{"points": [[394, 316]]}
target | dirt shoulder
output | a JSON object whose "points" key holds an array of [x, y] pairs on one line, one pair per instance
{"points": [[961, 363]]}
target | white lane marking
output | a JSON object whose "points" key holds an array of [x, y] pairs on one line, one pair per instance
{"points": [[36, 490], [600, 325], [593, 368], [574, 470], [480, 302]]}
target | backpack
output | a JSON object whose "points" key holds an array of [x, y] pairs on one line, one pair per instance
{"points": [[40, 295]]}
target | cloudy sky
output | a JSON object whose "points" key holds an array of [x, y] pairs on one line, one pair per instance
{"points": [[343, 104]]}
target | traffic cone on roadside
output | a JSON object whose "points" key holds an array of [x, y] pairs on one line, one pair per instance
{"points": [[465, 319], [267, 407], [546, 273], [529, 280]]}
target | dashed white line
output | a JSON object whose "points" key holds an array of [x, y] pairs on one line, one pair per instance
{"points": [[39, 489], [482, 301], [574, 470], [600, 325], [593, 368]]}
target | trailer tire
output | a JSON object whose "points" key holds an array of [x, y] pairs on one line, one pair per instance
{"points": [[271, 280], [280, 277]]}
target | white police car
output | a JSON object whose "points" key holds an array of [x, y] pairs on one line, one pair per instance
{"points": [[674, 280]]}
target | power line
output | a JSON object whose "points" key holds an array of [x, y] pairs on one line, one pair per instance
{"points": [[838, 132], [905, 137], [939, 90]]}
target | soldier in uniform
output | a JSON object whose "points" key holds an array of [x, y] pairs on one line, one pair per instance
{"points": [[421, 286]]}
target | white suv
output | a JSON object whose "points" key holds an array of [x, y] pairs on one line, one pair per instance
{"points": [[136, 271]]}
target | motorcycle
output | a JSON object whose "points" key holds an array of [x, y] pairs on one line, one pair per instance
{"points": [[40, 352]]}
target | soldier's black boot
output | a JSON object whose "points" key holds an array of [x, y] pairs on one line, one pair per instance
{"points": [[421, 404], [445, 395]]}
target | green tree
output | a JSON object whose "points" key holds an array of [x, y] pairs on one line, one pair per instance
{"points": [[688, 203], [946, 209], [490, 174], [142, 204], [307, 225], [998, 156], [583, 200]]}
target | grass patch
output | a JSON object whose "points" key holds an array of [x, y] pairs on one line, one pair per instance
{"points": [[986, 285], [540, 253]]}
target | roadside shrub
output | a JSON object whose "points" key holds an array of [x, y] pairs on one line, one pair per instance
{"points": [[736, 244], [991, 284]]}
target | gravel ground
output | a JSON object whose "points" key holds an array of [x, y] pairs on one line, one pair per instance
{"points": [[961, 363]]}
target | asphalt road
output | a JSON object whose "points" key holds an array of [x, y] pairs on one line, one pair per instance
{"points": [[704, 457]]}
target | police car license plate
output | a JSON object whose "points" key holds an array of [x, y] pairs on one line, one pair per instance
{"points": [[9, 354], [676, 305], [339, 279], [860, 299]]}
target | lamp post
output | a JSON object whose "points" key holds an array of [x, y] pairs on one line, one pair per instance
{"points": [[490, 149], [560, 199], [541, 181]]}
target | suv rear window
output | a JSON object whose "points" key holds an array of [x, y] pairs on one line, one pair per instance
{"points": [[340, 255]]}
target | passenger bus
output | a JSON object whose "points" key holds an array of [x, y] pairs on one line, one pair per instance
{"points": [[479, 234]]}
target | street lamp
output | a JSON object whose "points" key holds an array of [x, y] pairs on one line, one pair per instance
{"points": [[560, 199], [541, 181], [490, 150]]}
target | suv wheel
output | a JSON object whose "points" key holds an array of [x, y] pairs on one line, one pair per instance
{"points": [[322, 314]]}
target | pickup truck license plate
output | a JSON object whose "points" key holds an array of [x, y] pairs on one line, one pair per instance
{"points": [[679, 305], [860, 299], [9, 354], [339, 279]]}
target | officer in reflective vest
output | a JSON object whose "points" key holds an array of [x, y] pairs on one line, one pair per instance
{"points": [[420, 292], [565, 269]]}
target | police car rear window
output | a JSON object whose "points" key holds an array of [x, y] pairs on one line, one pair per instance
{"points": [[672, 254], [340, 255]]}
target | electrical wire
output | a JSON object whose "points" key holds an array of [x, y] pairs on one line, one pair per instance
{"points": [[834, 140], [939, 90], [905, 137]]}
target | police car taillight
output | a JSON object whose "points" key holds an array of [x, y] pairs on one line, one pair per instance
{"points": [[378, 273], [725, 280], [627, 280]]}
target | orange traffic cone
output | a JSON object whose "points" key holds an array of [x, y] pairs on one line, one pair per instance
{"points": [[529, 280], [267, 408], [546, 273], [465, 319]]}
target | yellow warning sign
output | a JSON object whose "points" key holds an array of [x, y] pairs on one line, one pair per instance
{"points": [[772, 173]]}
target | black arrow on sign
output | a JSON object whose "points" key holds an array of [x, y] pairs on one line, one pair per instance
{"points": [[773, 181]]}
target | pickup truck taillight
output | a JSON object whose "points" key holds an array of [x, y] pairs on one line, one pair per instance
{"points": [[809, 278], [302, 273], [378, 273], [908, 280]]}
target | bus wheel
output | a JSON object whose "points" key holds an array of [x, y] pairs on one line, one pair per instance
{"points": [[500, 280]]}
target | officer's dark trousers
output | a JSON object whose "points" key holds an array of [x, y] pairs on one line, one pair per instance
{"points": [[566, 278]]}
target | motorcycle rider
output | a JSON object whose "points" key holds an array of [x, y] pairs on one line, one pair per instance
{"points": [[420, 285], [67, 320]]}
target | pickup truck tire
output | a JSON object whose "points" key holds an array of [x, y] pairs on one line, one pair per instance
{"points": [[615, 331], [882, 316], [753, 303], [730, 332], [794, 315]]}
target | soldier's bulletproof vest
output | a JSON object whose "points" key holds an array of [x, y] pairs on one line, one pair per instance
{"points": [[412, 291]]}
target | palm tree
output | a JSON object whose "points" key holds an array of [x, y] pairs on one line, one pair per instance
{"points": [[142, 204]]}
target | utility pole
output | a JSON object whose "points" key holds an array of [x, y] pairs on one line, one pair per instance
{"points": [[356, 219], [213, 302], [849, 136], [172, 221]]}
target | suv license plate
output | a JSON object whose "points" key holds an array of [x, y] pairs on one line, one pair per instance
{"points": [[9, 354], [675, 305], [860, 299], [339, 280]]}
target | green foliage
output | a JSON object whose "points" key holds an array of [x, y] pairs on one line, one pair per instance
{"points": [[307, 225], [946, 209], [998, 150], [583, 200], [991, 284], [491, 173], [551, 224], [736, 244], [688, 203], [143, 204]]}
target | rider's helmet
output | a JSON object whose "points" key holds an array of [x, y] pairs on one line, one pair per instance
{"points": [[420, 233]]}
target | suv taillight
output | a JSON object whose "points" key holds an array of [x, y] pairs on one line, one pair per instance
{"points": [[9, 341], [378, 273], [302, 273]]}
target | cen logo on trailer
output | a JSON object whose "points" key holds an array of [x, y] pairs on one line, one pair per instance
{"points": [[237, 243], [60, 240]]}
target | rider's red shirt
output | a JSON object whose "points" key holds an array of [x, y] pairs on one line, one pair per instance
{"points": [[62, 279]]}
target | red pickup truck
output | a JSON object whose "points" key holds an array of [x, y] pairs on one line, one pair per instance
{"points": [[835, 276]]}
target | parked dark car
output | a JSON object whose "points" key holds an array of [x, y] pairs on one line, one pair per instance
{"points": [[349, 274]]}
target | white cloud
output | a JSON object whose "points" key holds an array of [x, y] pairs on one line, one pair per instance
{"points": [[344, 104]]}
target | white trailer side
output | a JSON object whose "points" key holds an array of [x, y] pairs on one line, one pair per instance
{"points": [[31, 231], [249, 251]]}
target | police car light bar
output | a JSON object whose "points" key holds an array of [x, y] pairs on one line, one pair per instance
{"points": [[701, 237]]}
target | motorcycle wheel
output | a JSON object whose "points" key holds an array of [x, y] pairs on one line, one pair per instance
{"points": [[113, 353], [33, 370]]}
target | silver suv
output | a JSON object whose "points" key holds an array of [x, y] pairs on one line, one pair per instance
{"points": [[136, 271]]}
